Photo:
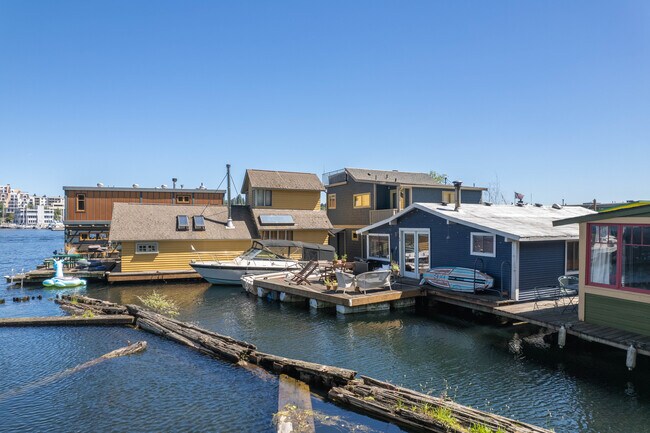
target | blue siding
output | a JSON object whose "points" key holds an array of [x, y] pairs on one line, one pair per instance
{"points": [[450, 245], [540, 263]]}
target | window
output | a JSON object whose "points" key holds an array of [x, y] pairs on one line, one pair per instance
{"points": [[572, 257], [483, 244], [448, 197], [361, 200], [146, 248], [619, 256], [262, 197], [331, 201], [182, 223], [83, 236], [183, 199], [199, 222], [379, 247], [355, 236], [81, 202], [283, 235]]}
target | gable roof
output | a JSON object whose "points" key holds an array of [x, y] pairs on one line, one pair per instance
{"points": [[640, 209], [520, 223], [399, 177], [281, 180], [303, 219], [156, 222]]}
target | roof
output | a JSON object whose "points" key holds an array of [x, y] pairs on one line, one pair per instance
{"points": [[156, 222], [294, 244], [303, 219], [520, 223], [281, 180], [640, 209], [138, 189], [399, 177]]}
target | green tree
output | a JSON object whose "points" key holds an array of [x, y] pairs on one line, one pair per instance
{"points": [[438, 177], [57, 214]]}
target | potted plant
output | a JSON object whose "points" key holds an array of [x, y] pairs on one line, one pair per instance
{"points": [[344, 258], [336, 260], [328, 283], [394, 268]]}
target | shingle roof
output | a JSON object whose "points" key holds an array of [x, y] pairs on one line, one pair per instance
{"points": [[282, 180], [397, 177], [303, 219], [144, 222], [522, 223]]}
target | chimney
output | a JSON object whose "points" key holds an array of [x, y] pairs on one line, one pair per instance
{"points": [[174, 180], [457, 184]]}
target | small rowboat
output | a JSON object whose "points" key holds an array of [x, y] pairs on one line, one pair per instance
{"points": [[457, 279]]}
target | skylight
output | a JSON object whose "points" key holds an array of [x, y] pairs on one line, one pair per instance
{"points": [[182, 223], [276, 220], [199, 222]]}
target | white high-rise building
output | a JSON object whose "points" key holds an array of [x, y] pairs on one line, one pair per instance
{"points": [[39, 216]]}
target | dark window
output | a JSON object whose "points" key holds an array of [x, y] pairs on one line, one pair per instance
{"points": [[572, 257], [183, 199], [182, 223], [81, 202]]}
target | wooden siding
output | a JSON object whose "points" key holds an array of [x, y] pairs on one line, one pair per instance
{"points": [[450, 245], [176, 255], [312, 236], [345, 213], [617, 313], [306, 200], [99, 204], [540, 264]]}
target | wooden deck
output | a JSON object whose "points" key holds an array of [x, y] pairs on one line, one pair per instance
{"points": [[349, 299], [37, 276], [151, 276]]}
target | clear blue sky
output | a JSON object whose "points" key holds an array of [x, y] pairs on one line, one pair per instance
{"points": [[551, 97]]}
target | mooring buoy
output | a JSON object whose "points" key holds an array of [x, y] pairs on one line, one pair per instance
{"points": [[630, 360], [561, 337]]}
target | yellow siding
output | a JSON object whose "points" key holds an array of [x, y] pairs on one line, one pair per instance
{"points": [[312, 236], [176, 255], [309, 200]]}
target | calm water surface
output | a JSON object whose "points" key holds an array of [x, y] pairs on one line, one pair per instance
{"points": [[584, 388]]}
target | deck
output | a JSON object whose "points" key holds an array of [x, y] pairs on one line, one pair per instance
{"points": [[39, 275], [151, 276]]}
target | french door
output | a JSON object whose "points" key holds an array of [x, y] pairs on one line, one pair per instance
{"points": [[415, 247]]}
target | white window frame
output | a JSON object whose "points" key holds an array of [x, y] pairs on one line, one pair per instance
{"points": [[151, 244], [383, 259], [566, 257], [471, 244]]}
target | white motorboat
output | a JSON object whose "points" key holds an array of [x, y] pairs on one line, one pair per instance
{"points": [[263, 257]]}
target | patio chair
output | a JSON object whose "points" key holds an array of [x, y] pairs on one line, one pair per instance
{"points": [[569, 291], [344, 280], [373, 280], [301, 276]]}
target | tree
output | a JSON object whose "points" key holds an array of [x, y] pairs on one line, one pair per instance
{"points": [[57, 214], [438, 177]]}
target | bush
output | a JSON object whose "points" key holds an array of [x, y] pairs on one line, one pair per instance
{"points": [[160, 304]]}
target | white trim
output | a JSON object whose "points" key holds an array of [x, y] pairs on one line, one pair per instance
{"points": [[368, 256], [514, 271], [416, 232], [566, 257], [471, 244], [154, 244]]}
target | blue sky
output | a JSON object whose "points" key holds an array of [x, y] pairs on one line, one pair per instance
{"points": [[552, 98]]}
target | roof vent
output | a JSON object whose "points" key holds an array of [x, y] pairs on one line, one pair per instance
{"points": [[163, 186], [201, 186], [519, 204], [100, 185], [443, 203], [135, 185], [488, 203], [538, 205], [556, 206]]}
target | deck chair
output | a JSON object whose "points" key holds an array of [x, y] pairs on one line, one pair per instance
{"points": [[373, 280], [568, 291], [301, 276], [344, 280]]}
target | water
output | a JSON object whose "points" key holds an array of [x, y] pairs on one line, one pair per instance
{"points": [[583, 388]]}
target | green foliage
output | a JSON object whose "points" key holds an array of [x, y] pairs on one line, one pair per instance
{"points": [[88, 314], [57, 214], [160, 303], [480, 428], [344, 257], [438, 177]]}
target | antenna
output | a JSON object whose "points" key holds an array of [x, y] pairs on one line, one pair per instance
{"points": [[229, 224]]}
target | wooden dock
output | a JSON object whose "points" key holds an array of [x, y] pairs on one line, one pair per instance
{"points": [[152, 276], [37, 276], [317, 295], [110, 320], [547, 314]]}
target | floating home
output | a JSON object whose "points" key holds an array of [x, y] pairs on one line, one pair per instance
{"points": [[615, 267], [154, 238], [358, 197], [88, 210], [517, 245]]}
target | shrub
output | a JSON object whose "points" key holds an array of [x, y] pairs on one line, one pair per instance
{"points": [[160, 304]]}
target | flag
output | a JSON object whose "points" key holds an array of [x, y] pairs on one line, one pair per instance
{"points": [[519, 196]]}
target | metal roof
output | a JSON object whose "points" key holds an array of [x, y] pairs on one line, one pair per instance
{"points": [[520, 223], [290, 180], [631, 210], [400, 177], [157, 222]]}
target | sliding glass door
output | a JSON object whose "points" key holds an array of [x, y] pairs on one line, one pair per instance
{"points": [[415, 249]]}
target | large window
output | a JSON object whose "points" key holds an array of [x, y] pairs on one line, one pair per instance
{"points": [[379, 247], [262, 197], [619, 256], [572, 257], [483, 244], [146, 248], [361, 200]]}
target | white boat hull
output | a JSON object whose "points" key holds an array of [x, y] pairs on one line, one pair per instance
{"points": [[458, 279], [231, 273]]}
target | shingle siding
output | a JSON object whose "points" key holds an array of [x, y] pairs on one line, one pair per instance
{"points": [[345, 214]]}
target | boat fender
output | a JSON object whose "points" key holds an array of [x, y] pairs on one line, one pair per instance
{"points": [[561, 337], [630, 361]]}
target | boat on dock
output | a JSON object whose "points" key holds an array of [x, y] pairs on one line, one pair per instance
{"points": [[458, 279], [265, 256]]}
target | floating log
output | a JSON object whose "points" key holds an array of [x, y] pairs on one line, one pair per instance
{"points": [[112, 320], [83, 303], [419, 411], [295, 413], [124, 351]]}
